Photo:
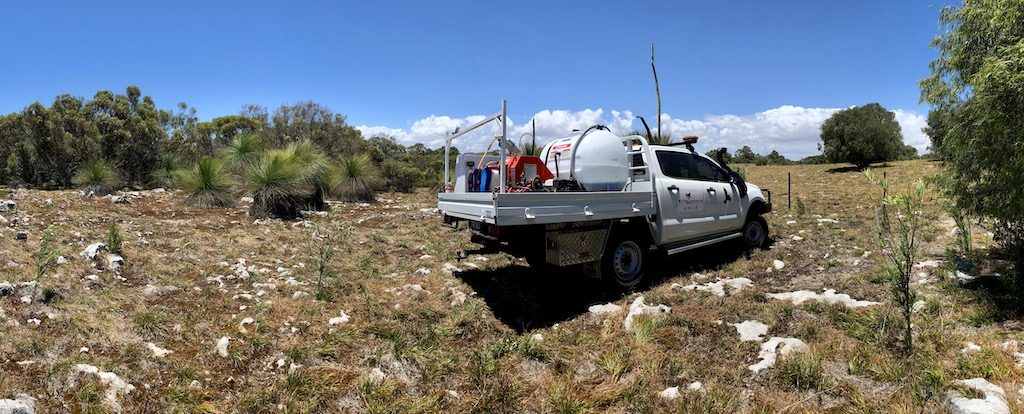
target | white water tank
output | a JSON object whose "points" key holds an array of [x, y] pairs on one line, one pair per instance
{"points": [[600, 165]]}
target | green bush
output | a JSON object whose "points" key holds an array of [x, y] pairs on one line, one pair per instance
{"points": [[976, 88], [96, 178], [400, 176], [207, 184], [115, 241], [355, 178]]}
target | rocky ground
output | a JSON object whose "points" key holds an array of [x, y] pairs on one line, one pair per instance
{"points": [[207, 310]]}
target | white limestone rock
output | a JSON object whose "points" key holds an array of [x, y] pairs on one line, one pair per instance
{"points": [[339, 320], [116, 386], [638, 307], [93, 250], [828, 296], [993, 402], [751, 330], [157, 350], [222, 346], [718, 288], [773, 348]]}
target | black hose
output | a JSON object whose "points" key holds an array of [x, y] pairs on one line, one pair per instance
{"points": [[644, 121]]}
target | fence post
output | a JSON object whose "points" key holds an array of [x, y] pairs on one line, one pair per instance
{"points": [[789, 191], [885, 193]]}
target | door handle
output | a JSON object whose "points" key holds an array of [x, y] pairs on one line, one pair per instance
{"points": [[711, 190], [673, 189]]}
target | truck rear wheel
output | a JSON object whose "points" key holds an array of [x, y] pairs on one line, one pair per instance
{"points": [[755, 232], [623, 263]]}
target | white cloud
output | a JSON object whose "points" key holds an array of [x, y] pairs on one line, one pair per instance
{"points": [[792, 130], [912, 125]]}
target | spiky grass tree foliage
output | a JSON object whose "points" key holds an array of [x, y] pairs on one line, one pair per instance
{"points": [[278, 184], [207, 183], [242, 152], [355, 178], [166, 174], [315, 167], [96, 178]]}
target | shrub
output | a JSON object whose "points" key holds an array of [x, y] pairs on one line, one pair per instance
{"points": [[323, 244], [663, 139], [354, 179], [399, 176], [899, 222], [166, 173], [45, 257], [96, 178], [530, 149], [115, 242], [962, 220], [278, 185], [977, 90], [207, 183]]}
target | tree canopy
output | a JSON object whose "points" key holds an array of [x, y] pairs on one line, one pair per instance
{"points": [[44, 146], [862, 135], [976, 88]]}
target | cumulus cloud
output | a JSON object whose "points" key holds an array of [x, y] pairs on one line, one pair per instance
{"points": [[791, 130]]}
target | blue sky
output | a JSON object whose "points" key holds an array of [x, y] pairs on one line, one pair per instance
{"points": [[390, 66]]}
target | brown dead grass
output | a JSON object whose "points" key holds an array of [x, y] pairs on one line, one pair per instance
{"points": [[477, 356]]}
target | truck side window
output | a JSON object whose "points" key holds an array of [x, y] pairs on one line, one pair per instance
{"points": [[676, 165], [706, 170]]}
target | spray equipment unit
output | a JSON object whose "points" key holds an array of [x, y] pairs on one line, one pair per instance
{"points": [[509, 171], [592, 160]]}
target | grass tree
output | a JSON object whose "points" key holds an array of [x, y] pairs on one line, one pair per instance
{"points": [[355, 178], [278, 184], [242, 152], [207, 183], [166, 174], [96, 178], [315, 167]]}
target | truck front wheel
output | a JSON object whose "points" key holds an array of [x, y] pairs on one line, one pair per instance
{"points": [[755, 232], [623, 264]]}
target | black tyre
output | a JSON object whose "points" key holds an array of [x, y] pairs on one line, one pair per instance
{"points": [[755, 232], [623, 264]]}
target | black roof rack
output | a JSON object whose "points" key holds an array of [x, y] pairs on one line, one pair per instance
{"points": [[688, 141]]}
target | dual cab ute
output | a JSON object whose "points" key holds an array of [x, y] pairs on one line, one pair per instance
{"points": [[672, 199]]}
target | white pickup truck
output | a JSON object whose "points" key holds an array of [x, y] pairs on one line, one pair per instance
{"points": [[674, 199]]}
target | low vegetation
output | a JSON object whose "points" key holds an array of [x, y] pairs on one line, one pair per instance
{"points": [[97, 178], [207, 184], [401, 325], [355, 178]]}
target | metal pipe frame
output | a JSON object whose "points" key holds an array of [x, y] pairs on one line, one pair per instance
{"points": [[503, 117]]}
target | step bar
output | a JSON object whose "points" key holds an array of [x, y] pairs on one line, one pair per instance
{"points": [[693, 244]]}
